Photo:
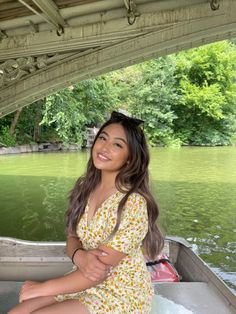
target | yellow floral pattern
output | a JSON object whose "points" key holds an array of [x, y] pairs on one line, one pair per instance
{"points": [[128, 289]]}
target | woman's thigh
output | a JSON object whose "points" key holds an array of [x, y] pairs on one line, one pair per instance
{"points": [[68, 306], [31, 305]]}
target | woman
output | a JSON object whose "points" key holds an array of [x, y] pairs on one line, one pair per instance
{"points": [[111, 216]]}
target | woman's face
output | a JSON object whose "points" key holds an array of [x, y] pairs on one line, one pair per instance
{"points": [[110, 151]]}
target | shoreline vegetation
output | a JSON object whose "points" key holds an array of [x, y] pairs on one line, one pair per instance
{"points": [[37, 148], [60, 147], [185, 99]]}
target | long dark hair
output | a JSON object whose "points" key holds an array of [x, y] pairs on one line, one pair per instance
{"points": [[133, 177]]}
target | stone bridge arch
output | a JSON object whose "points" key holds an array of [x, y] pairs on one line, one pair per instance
{"points": [[48, 45]]}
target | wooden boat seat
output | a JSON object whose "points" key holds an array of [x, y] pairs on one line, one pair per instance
{"points": [[198, 297]]}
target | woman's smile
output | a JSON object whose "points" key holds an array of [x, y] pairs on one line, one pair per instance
{"points": [[102, 157], [110, 151]]}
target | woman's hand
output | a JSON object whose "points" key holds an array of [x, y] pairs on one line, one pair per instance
{"points": [[31, 289], [89, 264]]}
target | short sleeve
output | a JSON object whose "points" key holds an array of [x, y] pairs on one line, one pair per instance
{"points": [[133, 226]]}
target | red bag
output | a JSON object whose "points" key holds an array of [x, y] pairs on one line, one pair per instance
{"points": [[162, 270]]}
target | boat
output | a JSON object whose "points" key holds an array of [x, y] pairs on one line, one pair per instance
{"points": [[200, 290]]}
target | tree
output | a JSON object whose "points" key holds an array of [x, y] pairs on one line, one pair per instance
{"points": [[71, 110], [28, 128], [206, 109], [14, 121], [152, 100], [187, 98]]}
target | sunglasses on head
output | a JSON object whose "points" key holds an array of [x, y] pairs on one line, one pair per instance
{"points": [[118, 116]]}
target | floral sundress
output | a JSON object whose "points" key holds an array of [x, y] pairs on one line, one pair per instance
{"points": [[128, 289]]}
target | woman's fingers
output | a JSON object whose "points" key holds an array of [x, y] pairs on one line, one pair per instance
{"points": [[94, 269], [98, 275], [30, 289], [26, 285], [100, 266], [97, 252], [99, 270]]}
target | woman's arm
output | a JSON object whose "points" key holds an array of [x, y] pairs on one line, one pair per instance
{"points": [[76, 282], [86, 260], [72, 243], [70, 283]]}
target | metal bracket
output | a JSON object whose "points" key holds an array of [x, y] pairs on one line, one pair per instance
{"points": [[2, 35], [131, 11], [215, 4], [33, 27], [50, 13]]}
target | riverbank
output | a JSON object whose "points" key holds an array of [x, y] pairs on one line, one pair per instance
{"points": [[42, 147]]}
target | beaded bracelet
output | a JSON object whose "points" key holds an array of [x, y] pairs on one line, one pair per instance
{"points": [[73, 255]]}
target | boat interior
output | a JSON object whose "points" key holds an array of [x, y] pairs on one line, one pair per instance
{"points": [[199, 291]]}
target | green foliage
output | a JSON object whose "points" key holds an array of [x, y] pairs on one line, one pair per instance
{"points": [[6, 139], [28, 122], [71, 110], [151, 95], [206, 109], [125, 83], [185, 99], [155, 101], [202, 100], [61, 113], [188, 98]]}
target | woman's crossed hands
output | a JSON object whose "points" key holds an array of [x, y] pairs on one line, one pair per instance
{"points": [[90, 265]]}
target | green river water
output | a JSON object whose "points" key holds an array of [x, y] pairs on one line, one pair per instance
{"points": [[195, 189]]}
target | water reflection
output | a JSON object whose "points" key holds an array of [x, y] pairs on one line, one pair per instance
{"points": [[196, 189], [35, 207], [206, 219]]}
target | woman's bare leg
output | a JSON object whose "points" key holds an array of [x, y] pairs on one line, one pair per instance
{"points": [[68, 306], [31, 305]]}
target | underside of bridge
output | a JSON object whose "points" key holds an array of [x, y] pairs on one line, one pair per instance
{"points": [[48, 45]]}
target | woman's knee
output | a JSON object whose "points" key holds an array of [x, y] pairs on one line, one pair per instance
{"points": [[67, 306], [27, 307]]}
